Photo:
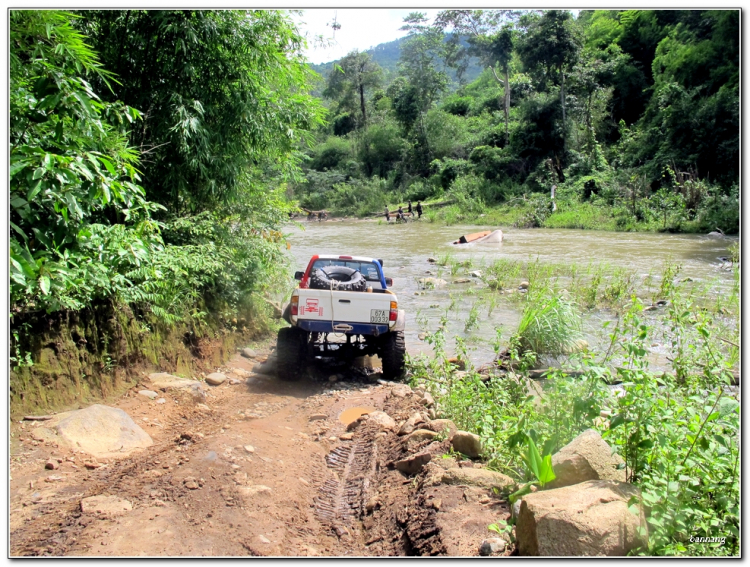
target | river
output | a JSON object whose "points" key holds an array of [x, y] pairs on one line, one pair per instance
{"points": [[405, 249]]}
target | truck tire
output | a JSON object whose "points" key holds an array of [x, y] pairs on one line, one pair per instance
{"points": [[393, 355], [291, 352], [339, 278]]}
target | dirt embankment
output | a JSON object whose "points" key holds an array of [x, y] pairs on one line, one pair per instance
{"points": [[261, 468]]}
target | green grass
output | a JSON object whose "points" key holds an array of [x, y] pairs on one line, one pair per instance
{"points": [[550, 324]]}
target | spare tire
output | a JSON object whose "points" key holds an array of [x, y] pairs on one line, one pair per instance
{"points": [[339, 278]]}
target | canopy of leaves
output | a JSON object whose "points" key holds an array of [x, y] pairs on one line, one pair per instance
{"points": [[220, 91]]}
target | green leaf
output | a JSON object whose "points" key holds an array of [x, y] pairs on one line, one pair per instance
{"points": [[108, 165], [44, 284], [21, 233], [17, 202], [17, 166], [34, 190], [616, 420], [534, 459], [547, 473], [520, 493]]}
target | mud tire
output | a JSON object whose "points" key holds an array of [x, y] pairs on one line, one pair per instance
{"points": [[339, 278], [393, 355], [291, 352]]}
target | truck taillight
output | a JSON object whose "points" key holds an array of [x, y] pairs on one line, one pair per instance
{"points": [[295, 305], [394, 311]]}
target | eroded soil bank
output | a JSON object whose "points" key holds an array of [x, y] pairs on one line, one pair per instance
{"points": [[261, 468]]}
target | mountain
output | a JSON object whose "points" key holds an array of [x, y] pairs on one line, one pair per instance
{"points": [[387, 54]]}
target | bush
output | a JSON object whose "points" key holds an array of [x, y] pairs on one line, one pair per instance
{"points": [[457, 105], [550, 323], [331, 153], [720, 211], [381, 148]]}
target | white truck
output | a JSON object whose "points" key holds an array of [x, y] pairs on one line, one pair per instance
{"points": [[343, 309]]}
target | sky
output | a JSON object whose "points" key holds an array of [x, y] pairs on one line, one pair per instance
{"points": [[361, 28]]}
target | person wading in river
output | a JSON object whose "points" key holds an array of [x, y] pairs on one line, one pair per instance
{"points": [[387, 214], [419, 209], [411, 212]]}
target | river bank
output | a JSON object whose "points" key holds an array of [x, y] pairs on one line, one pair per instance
{"points": [[536, 212]]}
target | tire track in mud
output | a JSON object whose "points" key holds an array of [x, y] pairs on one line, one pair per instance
{"points": [[343, 495]]}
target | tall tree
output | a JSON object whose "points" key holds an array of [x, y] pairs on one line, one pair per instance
{"points": [[490, 37], [422, 56], [355, 73], [550, 48], [422, 66]]}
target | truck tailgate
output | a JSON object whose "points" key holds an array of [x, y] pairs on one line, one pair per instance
{"points": [[346, 306]]}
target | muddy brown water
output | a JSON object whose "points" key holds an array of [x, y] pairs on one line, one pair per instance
{"points": [[405, 249], [350, 415]]}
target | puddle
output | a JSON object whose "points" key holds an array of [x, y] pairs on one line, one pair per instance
{"points": [[353, 414]]}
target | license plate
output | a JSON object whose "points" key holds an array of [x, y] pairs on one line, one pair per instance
{"points": [[378, 315]]}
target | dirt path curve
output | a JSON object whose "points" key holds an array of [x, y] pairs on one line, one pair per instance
{"points": [[262, 468]]}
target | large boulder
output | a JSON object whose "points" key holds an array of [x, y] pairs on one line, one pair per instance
{"points": [[467, 443], [587, 457], [101, 431], [591, 518]]}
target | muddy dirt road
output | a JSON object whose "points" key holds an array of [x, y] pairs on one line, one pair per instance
{"points": [[261, 468]]}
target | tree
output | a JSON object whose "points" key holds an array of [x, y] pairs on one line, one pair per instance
{"points": [[424, 79], [79, 217], [221, 92], [355, 73], [550, 48], [422, 55], [487, 40]]}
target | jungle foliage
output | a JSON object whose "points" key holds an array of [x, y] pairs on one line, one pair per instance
{"points": [[632, 114], [149, 154]]}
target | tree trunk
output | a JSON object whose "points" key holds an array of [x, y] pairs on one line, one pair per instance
{"points": [[362, 103], [562, 100], [507, 105]]}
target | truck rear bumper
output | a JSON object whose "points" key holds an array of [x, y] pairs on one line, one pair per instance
{"points": [[342, 327]]}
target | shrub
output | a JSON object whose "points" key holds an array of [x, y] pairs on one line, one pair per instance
{"points": [[550, 323], [331, 153]]}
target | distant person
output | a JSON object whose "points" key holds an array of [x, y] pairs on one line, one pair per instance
{"points": [[401, 211], [419, 209], [387, 214], [409, 209]]}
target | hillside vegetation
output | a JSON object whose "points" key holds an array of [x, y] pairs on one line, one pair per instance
{"points": [[149, 153], [632, 115]]}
